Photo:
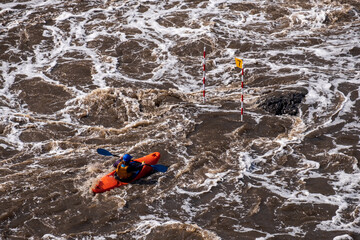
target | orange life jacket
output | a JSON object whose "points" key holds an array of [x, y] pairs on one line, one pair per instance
{"points": [[122, 172]]}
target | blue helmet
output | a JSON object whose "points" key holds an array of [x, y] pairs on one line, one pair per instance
{"points": [[127, 158]]}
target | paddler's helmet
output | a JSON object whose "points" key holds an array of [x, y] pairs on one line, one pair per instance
{"points": [[127, 158]]}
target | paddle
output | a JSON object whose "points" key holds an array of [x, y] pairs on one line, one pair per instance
{"points": [[157, 167]]}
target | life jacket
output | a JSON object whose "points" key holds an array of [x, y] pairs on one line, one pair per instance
{"points": [[122, 172]]}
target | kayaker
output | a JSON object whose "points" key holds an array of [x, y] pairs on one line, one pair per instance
{"points": [[126, 169]]}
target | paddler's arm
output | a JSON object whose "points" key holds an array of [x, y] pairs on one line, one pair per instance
{"points": [[135, 166], [117, 162]]}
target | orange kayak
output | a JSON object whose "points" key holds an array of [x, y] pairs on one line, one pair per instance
{"points": [[109, 182]]}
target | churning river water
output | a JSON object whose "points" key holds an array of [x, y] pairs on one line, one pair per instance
{"points": [[126, 76]]}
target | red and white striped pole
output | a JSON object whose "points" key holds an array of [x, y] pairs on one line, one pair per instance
{"points": [[204, 73], [242, 93], [239, 64]]}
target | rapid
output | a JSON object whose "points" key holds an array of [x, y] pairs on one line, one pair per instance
{"points": [[126, 76]]}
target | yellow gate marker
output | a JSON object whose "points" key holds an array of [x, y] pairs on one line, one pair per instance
{"points": [[239, 64]]}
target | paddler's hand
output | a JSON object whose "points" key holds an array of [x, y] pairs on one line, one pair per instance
{"points": [[117, 163], [143, 163]]}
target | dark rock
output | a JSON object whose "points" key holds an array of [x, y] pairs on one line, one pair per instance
{"points": [[283, 104], [355, 51], [326, 20]]}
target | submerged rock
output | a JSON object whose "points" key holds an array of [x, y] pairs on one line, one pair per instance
{"points": [[355, 51], [280, 104]]}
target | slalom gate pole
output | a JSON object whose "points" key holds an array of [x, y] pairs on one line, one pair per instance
{"points": [[204, 73], [242, 93], [239, 64]]}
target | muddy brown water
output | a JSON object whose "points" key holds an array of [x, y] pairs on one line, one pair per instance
{"points": [[126, 76]]}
